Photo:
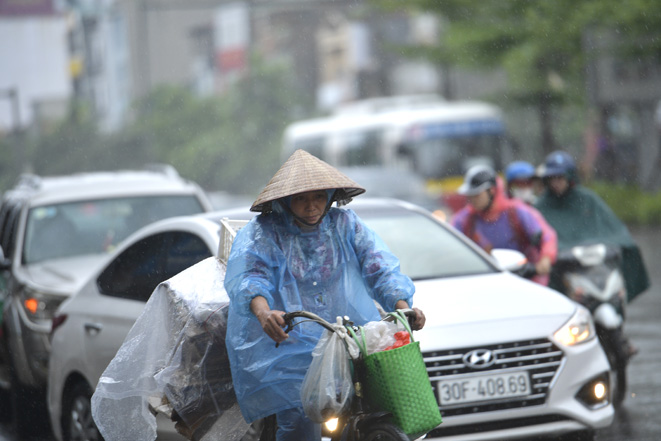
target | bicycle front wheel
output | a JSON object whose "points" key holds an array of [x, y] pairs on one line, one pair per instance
{"points": [[382, 431]]}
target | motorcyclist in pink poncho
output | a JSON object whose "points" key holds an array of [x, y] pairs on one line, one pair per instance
{"points": [[492, 220], [301, 253]]}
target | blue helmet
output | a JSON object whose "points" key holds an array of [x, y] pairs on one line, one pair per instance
{"points": [[519, 170], [560, 163]]}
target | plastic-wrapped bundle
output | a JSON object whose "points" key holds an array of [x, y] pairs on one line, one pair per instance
{"points": [[197, 382], [174, 361]]}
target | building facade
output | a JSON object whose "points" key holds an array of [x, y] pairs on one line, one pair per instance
{"points": [[33, 40]]}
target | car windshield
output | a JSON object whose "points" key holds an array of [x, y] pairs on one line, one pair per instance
{"points": [[451, 156], [95, 226], [425, 248]]}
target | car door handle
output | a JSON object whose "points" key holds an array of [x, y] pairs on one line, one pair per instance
{"points": [[93, 328]]}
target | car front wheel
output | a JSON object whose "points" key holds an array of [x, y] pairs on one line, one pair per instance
{"points": [[77, 421]]}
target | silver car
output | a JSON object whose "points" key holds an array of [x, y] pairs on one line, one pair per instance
{"points": [[507, 358], [54, 231]]}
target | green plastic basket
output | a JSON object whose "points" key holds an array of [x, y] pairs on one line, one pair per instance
{"points": [[397, 382]]}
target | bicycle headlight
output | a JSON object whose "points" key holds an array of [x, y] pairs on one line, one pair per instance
{"points": [[331, 424], [578, 329]]}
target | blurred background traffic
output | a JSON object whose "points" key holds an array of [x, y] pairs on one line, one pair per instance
{"points": [[210, 86], [402, 96]]}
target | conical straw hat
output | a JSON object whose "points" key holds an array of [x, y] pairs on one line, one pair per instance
{"points": [[303, 172]]}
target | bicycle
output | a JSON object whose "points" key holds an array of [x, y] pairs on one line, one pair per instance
{"points": [[360, 422]]}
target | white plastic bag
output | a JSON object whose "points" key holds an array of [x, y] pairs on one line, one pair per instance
{"points": [[378, 335], [327, 388]]}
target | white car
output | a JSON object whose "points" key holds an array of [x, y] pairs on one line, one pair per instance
{"points": [[54, 231], [507, 358]]}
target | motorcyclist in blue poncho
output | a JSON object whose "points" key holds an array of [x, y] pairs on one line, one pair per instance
{"points": [[301, 254]]}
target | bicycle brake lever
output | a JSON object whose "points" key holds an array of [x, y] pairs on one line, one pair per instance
{"points": [[290, 326]]}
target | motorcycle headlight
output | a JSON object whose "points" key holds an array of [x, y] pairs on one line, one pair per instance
{"points": [[590, 255], [578, 329], [580, 285]]}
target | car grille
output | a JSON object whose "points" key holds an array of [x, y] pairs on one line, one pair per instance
{"points": [[541, 358]]}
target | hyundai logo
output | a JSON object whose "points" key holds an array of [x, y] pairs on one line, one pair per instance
{"points": [[479, 358]]}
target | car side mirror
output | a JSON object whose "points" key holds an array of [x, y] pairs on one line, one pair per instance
{"points": [[509, 260]]}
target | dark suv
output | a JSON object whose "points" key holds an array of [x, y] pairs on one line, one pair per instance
{"points": [[53, 232]]}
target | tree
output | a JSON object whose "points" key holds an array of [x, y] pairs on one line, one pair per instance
{"points": [[225, 142], [538, 42], [68, 146], [229, 142], [258, 110]]}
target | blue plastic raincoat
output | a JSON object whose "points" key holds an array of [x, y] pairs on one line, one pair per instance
{"points": [[335, 269]]}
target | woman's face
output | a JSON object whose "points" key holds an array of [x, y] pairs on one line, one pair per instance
{"points": [[309, 206]]}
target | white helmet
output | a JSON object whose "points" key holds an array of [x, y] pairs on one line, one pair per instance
{"points": [[477, 179]]}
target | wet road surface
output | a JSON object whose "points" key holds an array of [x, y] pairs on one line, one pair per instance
{"points": [[640, 417]]}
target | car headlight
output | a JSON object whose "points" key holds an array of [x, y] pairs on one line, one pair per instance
{"points": [[39, 306], [578, 329]]}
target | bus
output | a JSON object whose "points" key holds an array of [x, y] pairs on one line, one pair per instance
{"points": [[434, 139]]}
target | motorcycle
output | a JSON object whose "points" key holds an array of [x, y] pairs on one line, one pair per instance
{"points": [[591, 276]]}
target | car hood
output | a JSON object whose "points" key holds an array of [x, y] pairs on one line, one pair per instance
{"points": [[61, 276], [485, 309]]}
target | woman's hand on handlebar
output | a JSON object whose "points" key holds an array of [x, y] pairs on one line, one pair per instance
{"points": [[272, 323], [419, 322], [271, 319]]}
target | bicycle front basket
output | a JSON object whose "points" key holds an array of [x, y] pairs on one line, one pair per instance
{"points": [[397, 382]]}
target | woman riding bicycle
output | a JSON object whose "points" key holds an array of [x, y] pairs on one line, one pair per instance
{"points": [[301, 254]]}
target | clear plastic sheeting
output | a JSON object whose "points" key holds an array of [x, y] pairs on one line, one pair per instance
{"points": [[174, 362]]}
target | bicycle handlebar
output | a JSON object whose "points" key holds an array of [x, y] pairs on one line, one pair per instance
{"points": [[408, 312], [290, 316]]}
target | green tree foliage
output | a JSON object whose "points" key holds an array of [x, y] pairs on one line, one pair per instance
{"points": [[538, 42], [256, 113], [67, 147], [629, 203], [229, 142]]}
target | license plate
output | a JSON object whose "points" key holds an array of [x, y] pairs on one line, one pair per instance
{"points": [[483, 388]]}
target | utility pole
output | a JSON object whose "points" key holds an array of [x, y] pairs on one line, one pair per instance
{"points": [[11, 93]]}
